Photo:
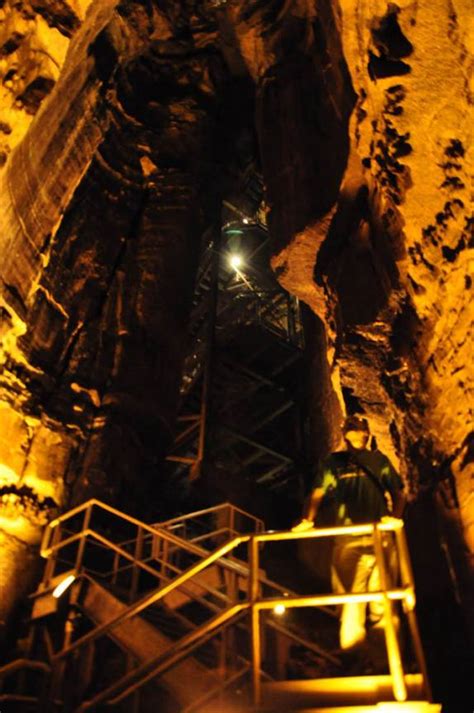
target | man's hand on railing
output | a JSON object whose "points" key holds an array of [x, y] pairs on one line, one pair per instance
{"points": [[303, 526]]}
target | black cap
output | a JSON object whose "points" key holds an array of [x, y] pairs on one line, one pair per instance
{"points": [[356, 423]]}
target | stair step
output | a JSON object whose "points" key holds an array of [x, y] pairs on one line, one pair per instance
{"points": [[144, 641], [382, 707], [353, 690]]}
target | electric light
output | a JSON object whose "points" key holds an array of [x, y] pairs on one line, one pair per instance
{"points": [[279, 609], [235, 261], [63, 585]]}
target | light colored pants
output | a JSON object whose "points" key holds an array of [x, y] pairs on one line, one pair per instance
{"points": [[354, 570]]}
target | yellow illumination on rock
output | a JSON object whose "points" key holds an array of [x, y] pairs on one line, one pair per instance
{"points": [[7, 475]]}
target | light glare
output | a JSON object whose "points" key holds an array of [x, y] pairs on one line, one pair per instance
{"points": [[279, 609], [235, 261], [63, 585]]}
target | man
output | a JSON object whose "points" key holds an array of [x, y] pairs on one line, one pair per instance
{"points": [[362, 486]]}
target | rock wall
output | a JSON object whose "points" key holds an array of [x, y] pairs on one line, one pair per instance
{"points": [[34, 38], [365, 117], [102, 207], [412, 68]]}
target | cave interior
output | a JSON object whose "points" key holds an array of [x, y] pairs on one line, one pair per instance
{"points": [[225, 226]]}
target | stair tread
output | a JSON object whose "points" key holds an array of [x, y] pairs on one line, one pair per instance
{"points": [[366, 681], [381, 707], [145, 641], [356, 690]]}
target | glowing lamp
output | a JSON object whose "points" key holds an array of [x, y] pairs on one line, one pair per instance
{"points": [[235, 261], [279, 609], [63, 585]]}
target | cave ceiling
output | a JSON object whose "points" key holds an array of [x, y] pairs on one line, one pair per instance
{"points": [[123, 126]]}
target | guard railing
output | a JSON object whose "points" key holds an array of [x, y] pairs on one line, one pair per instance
{"points": [[228, 607]]}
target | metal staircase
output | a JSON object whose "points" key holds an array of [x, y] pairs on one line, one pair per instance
{"points": [[180, 616]]}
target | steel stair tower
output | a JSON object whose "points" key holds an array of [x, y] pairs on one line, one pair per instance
{"points": [[242, 410]]}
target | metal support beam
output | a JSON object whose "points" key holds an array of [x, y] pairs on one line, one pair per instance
{"points": [[391, 638]]}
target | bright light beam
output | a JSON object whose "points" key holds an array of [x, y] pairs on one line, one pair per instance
{"points": [[244, 279]]}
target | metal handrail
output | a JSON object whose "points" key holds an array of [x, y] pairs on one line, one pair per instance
{"points": [[20, 664], [156, 596], [47, 549], [151, 531], [150, 599], [197, 637], [256, 603], [141, 564], [260, 527], [147, 671], [199, 513], [386, 595], [150, 669], [135, 563]]}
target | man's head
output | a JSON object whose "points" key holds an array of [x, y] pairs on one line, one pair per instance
{"points": [[356, 432]]}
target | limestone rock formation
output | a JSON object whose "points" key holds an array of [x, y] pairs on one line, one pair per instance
{"points": [[34, 38], [112, 146], [368, 168], [103, 205]]}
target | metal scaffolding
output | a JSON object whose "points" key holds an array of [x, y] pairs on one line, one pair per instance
{"points": [[242, 388]]}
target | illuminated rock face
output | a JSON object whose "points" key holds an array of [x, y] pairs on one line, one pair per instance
{"points": [[367, 169], [412, 130], [34, 38], [102, 207], [109, 179]]}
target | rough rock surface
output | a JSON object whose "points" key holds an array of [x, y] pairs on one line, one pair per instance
{"points": [[413, 132], [364, 119], [102, 208], [34, 38], [368, 171]]}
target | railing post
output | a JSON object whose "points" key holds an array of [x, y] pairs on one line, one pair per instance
{"points": [[131, 663], [137, 558], [254, 619], [164, 562], [155, 546], [391, 639], [222, 666], [115, 568], [82, 541], [51, 561], [409, 606]]}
